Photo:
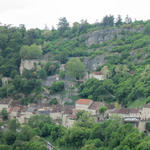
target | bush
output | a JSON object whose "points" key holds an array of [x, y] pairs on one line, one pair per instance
{"points": [[54, 101], [51, 68], [147, 29], [62, 74], [57, 86], [147, 126], [42, 74], [30, 52]]}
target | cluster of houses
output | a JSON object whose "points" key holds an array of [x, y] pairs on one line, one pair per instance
{"points": [[66, 114]]}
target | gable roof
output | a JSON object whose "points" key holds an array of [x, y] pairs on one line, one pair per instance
{"points": [[97, 73], [147, 105], [84, 101], [96, 105], [126, 110], [56, 108], [68, 109]]}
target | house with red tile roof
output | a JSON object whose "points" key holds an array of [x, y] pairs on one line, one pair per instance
{"points": [[83, 104]]}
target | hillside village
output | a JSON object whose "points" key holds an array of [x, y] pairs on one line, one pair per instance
{"points": [[85, 86], [66, 114]]}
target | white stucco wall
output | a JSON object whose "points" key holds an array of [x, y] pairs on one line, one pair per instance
{"points": [[81, 107], [145, 113], [131, 115], [99, 77], [67, 122], [3, 106], [56, 115]]}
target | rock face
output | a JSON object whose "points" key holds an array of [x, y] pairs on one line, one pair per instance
{"points": [[97, 37], [101, 36], [92, 64], [5, 80], [50, 80], [29, 64]]}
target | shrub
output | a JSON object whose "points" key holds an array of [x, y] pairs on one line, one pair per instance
{"points": [[57, 86]]}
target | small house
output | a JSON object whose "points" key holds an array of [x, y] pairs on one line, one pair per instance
{"points": [[83, 104], [97, 75], [127, 114]]}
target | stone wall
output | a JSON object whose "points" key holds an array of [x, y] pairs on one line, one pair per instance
{"points": [[29, 64], [141, 126]]}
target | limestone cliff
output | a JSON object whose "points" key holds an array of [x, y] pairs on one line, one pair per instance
{"points": [[29, 64], [100, 36]]}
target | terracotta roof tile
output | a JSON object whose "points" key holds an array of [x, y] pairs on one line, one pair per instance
{"points": [[84, 101]]}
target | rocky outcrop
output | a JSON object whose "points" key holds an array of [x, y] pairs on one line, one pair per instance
{"points": [[29, 64], [92, 64], [98, 37], [5, 80], [50, 80], [101, 36]]}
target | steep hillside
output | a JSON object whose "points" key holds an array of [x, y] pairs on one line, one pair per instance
{"points": [[119, 51]]}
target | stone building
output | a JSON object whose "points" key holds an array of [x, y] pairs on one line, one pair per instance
{"points": [[145, 112], [4, 104], [83, 104], [97, 75]]}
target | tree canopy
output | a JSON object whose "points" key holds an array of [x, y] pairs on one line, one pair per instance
{"points": [[75, 68]]}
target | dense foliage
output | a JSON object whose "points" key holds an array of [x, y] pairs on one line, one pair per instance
{"points": [[84, 135], [126, 63]]}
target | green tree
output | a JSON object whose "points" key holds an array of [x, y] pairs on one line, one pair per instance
{"points": [[84, 119], [147, 126], [30, 52], [148, 100], [57, 86], [51, 68], [62, 57], [144, 145], [37, 121], [10, 137], [63, 24], [26, 133], [147, 29], [108, 20], [75, 136], [4, 147], [119, 21], [37, 144], [89, 147], [128, 20], [102, 110], [4, 114], [42, 74], [75, 68], [13, 125]]}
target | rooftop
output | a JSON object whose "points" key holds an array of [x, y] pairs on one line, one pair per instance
{"points": [[96, 105], [84, 101], [147, 105], [68, 109], [126, 111], [97, 73], [110, 106], [56, 108]]}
